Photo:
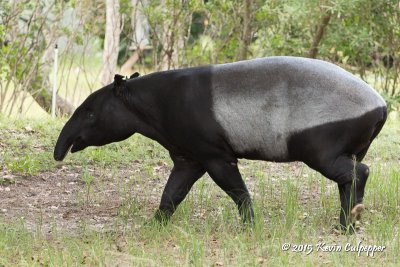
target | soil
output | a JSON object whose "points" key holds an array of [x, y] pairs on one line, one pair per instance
{"points": [[59, 200]]}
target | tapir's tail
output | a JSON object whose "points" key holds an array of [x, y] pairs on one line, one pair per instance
{"points": [[378, 127]]}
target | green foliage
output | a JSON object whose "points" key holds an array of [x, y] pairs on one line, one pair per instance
{"points": [[26, 165], [358, 35], [88, 178], [363, 36], [393, 102]]}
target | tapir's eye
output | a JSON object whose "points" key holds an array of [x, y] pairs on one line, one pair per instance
{"points": [[91, 116]]}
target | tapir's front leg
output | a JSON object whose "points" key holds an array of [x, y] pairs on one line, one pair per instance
{"points": [[227, 176], [184, 174]]}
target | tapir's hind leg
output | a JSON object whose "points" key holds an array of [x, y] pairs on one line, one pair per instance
{"points": [[351, 177], [336, 150], [183, 176], [352, 190], [227, 176]]}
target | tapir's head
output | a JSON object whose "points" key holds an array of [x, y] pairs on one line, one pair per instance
{"points": [[102, 118]]}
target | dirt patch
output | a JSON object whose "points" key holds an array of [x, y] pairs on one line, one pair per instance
{"points": [[62, 200]]}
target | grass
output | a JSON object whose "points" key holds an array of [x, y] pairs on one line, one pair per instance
{"points": [[293, 205]]}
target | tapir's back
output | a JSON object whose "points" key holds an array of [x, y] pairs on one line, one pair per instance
{"points": [[260, 103]]}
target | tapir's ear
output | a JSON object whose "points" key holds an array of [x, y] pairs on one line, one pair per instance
{"points": [[119, 84], [135, 75]]}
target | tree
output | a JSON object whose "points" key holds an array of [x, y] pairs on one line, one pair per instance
{"points": [[111, 41], [319, 33], [245, 39], [140, 34]]}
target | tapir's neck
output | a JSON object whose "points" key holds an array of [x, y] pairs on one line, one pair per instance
{"points": [[144, 100], [170, 104]]}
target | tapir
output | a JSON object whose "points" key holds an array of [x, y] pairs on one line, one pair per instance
{"points": [[279, 109]]}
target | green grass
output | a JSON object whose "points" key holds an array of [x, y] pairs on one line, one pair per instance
{"points": [[293, 204]]}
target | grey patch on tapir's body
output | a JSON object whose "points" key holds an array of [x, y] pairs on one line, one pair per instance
{"points": [[260, 103]]}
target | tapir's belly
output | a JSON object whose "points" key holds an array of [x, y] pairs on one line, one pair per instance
{"points": [[260, 105]]}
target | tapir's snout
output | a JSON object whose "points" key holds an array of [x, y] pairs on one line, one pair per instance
{"points": [[65, 141], [60, 156], [62, 147]]}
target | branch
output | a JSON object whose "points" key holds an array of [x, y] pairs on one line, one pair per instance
{"points": [[312, 53]]}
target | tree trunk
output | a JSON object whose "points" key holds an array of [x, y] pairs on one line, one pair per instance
{"points": [[173, 34], [312, 53], [111, 41], [140, 24], [168, 40], [246, 33]]}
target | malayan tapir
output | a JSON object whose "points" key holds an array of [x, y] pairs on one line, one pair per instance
{"points": [[278, 109]]}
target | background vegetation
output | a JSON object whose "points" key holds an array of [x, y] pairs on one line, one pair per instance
{"points": [[363, 36]]}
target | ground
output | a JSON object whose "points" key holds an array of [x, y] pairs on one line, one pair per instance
{"points": [[61, 199], [100, 202]]}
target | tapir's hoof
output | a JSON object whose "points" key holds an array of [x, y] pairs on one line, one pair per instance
{"points": [[356, 212]]}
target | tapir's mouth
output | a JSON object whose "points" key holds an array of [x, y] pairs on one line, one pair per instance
{"points": [[78, 145], [61, 151]]}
